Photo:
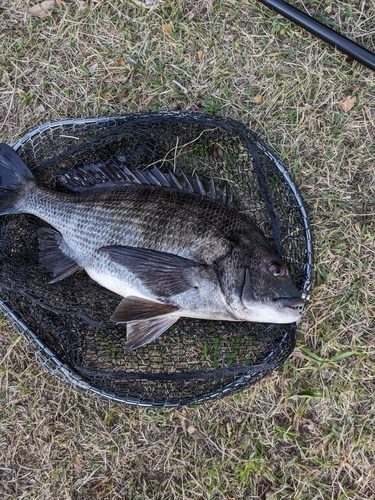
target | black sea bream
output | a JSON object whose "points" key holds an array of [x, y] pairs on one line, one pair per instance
{"points": [[169, 251]]}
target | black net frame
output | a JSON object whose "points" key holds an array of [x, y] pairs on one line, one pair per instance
{"points": [[67, 323]]}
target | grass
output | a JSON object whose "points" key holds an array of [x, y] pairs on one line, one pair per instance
{"points": [[307, 431]]}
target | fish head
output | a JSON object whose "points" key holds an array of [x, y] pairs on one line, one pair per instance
{"points": [[259, 287], [268, 288]]}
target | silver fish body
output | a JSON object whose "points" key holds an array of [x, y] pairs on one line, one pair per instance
{"points": [[167, 251]]}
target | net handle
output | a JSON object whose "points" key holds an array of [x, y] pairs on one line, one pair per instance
{"points": [[328, 35]]}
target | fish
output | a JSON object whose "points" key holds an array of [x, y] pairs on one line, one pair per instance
{"points": [[171, 245]]}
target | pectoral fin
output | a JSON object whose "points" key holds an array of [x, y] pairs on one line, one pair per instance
{"points": [[164, 274], [140, 333], [52, 257]]}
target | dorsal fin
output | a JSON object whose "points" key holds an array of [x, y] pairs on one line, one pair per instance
{"points": [[102, 175], [198, 185], [160, 177]]}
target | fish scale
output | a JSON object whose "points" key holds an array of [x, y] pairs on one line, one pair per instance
{"points": [[147, 223], [168, 251]]}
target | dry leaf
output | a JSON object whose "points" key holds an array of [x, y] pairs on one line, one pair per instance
{"points": [[194, 433], [93, 68], [229, 430], [167, 28], [200, 54], [183, 420], [184, 427], [246, 67], [258, 99], [228, 37], [328, 9], [269, 494], [5, 78], [146, 101], [297, 355], [348, 103], [100, 483], [147, 4], [120, 61], [42, 9]]}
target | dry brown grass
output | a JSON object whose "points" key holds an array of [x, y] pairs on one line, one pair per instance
{"points": [[307, 431]]}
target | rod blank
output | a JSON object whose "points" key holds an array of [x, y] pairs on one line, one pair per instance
{"points": [[318, 29]]}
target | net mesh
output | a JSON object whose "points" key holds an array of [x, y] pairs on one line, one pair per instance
{"points": [[67, 323]]}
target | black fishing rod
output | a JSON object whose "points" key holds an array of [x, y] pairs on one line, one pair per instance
{"points": [[318, 29]]}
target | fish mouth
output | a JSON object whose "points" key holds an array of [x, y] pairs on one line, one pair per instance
{"points": [[291, 302]]}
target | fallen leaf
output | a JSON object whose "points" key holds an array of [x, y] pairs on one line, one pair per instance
{"points": [[228, 37], [5, 78], [297, 355], [258, 99], [246, 67], [229, 430], [146, 101], [93, 68], [194, 433], [147, 4], [269, 494], [100, 483], [200, 54], [183, 421], [328, 9], [120, 61], [42, 9], [348, 103], [167, 28]]}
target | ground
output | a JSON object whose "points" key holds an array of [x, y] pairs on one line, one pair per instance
{"points": [[306, 432]]}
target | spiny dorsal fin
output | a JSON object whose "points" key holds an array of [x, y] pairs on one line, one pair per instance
{"points": [[103, 175]]}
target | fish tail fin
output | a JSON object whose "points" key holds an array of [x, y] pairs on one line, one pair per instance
{"points": [[14, 175]]}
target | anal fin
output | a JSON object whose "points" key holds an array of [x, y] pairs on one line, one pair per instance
{"points": [[51, 256], [140, 333]]}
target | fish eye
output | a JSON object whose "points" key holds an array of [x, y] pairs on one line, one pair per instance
{"points": [[276, 269]]}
